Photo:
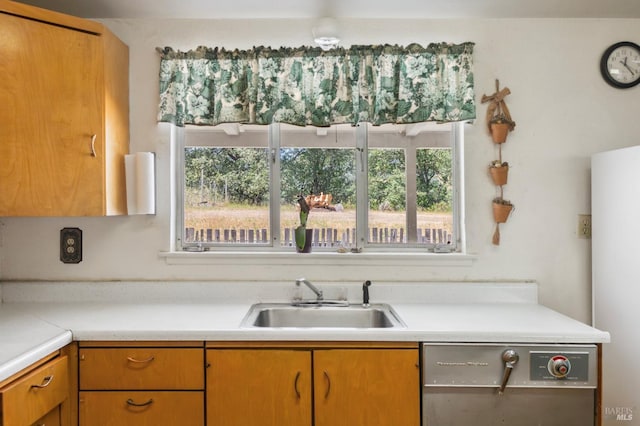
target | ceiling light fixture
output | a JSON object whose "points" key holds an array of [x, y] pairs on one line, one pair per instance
{"points": [[325, 33]]}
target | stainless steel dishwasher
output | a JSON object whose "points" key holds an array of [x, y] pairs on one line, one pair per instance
{"points": [[513, 385]]}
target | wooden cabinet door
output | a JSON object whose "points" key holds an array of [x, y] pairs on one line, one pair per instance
{"points": [[52, 418], [52, 91], [258, 387], [364, 387]]}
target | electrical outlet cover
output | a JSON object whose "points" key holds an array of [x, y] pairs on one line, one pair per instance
{"points": [[584, 226], [71, 245]]}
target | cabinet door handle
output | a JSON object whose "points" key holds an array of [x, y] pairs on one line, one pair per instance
{"points": [[328, 380], [140, 361], [132, 403], [295, 385], [46, 382], [93, 145]]}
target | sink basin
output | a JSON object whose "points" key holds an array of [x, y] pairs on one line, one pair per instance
{"points": [[275, 315]]}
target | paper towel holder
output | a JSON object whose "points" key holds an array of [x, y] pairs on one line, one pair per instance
{"points": [[140, 183]]}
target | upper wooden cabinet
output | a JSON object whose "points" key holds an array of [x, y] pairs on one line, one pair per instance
{"points": [[64, 115]]}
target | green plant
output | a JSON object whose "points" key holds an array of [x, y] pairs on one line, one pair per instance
{"points": [[301, 230]]}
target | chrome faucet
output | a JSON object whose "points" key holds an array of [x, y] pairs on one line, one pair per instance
{"points": [[313, 288]]}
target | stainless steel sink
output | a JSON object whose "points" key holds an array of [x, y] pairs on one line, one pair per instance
{"points": [[281, 315]]}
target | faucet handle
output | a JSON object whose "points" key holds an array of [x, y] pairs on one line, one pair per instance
{"points": [[365, 293], [313, 288]]}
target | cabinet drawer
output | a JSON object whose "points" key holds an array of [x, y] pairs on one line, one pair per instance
{"points": [[141, 368], [52, 418], [32, 396], [140, 408]]}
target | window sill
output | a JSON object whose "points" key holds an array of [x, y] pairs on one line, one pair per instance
{"points": [[318, 259]]}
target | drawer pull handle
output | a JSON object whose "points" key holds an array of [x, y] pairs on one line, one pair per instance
{"points": [[132, 403], [140, 361], [93, 145], [46, 382], [295, 385], [328, 380]]}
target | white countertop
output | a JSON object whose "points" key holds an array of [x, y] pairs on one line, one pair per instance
{"points": [[31, 328], [25, 339]]}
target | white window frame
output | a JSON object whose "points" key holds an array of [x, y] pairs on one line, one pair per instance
{"points": [[362, 141]]}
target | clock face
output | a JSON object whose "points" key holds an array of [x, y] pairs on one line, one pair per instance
{"points": [[620, 65]]}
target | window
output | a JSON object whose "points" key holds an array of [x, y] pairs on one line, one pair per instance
{"points": [[371, 187]]}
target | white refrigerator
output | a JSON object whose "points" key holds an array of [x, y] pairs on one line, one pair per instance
{"points": [[615, 210]]}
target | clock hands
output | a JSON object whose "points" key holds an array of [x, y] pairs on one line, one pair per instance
{"points": [[624, 64]]}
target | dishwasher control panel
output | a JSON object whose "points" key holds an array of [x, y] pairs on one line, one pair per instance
{"points": [[505, 365], [571, 366]]}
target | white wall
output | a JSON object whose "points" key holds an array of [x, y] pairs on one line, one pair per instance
{"points": [[564, 113]]}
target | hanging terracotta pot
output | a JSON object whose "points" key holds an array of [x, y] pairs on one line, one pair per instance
{"points": [[501, 210], [499, 174], [499, 132]]}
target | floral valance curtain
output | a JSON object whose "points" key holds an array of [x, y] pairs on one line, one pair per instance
{"points": [[309, 86]]}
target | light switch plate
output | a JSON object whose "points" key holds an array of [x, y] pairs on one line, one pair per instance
{"points": [[71, 245]]}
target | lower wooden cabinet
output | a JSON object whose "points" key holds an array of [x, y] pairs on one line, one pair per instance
{"points": [[28, 398], [52, 418], [141, 368], [364, 387], [141, 384], [138, 408], [320, 386], [259, 387], [248, 383]]}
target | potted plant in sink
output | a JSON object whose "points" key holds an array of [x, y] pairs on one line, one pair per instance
{"points": [[303, 236]]}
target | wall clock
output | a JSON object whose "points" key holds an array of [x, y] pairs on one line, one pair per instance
{"points": [[620, 65]]}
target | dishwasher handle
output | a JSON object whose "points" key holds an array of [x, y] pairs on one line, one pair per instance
{"points": [[510, 358]]}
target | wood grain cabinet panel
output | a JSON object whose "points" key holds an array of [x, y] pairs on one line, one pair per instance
{"points": [[52, 418], [320, 386], [32, 396], [363, 387], [143, 385], [141, 408], [258, 387], [141, 368], [64, 115]]}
